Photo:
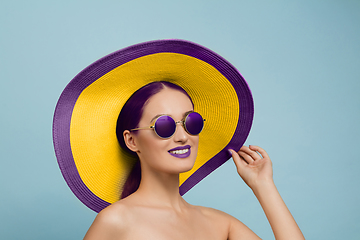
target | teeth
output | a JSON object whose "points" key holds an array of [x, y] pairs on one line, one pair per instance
{"points": [[180, 151]]}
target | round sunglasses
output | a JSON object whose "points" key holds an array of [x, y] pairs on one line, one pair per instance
{"points": [[165, 126]]}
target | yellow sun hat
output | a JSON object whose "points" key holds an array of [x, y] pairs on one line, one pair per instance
{"points": [[84, 127]]}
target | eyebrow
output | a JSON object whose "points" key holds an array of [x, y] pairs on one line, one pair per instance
{"points": [[159, 115]]}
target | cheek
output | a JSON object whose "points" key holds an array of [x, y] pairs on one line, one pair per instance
{"points": [[195, 140], [150, 145], [154, 155], [196, 143]]}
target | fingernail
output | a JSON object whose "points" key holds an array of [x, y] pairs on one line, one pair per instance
{"points": [[230, 151]]}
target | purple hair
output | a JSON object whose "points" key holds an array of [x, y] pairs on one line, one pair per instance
{"points": [[129, 118]]}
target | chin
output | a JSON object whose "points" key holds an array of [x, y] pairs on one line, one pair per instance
{"points": [[184, 165], [186, 169]]}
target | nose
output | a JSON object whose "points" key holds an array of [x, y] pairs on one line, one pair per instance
{"points": [[180, 134]]}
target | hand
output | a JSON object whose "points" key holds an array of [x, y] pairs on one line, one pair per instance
{"points": [[253, 165]]}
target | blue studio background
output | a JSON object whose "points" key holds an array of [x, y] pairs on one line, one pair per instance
{"points": [[300, 58]]}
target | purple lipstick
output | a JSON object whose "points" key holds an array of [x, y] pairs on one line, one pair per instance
{"points": [[180, 152]]}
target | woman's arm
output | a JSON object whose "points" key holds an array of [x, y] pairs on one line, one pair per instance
{"points": [[256, 171]]}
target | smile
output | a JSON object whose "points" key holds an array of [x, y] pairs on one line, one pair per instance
{"points": [[180, 152]]}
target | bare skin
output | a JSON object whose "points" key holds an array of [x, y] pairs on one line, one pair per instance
{"points": [[157, 211]]}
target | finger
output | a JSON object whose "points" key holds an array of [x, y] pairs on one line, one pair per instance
{"points": [[246, 157], [240, 163], [260, 150], [250, 152]]}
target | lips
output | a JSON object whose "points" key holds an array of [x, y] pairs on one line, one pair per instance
{"points": [[180, 152]]}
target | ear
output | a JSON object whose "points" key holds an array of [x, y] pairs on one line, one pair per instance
{"points": [[130, 140]]}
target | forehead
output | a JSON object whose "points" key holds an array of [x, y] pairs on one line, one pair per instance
{"points": [[167, 101]]}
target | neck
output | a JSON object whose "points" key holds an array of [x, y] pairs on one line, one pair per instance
{"points": [[160, 189]]}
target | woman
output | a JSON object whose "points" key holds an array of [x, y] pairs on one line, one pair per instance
{"points": [[157, 211], [159, 125]]}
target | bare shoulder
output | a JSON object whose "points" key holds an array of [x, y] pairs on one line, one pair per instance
{"points": [[115, 214], [214, 213], [236, 229], [111, 222]]}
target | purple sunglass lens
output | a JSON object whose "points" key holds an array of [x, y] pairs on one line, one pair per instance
{"points": [[194, 123], [165, 126]]}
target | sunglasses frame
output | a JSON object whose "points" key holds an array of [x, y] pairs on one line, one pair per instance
{"points": [[176, 123]]}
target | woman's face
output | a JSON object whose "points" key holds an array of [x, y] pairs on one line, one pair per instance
{"points": [[163, 154]]}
